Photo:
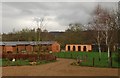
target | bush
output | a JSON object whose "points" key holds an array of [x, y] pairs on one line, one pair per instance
{"points": [[21, 56], [30, 57], [25, 59]]}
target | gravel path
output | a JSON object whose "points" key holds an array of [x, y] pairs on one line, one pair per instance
{"points": [[60, 68]]}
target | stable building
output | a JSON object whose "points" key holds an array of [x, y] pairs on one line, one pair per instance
{"points": [[78, 47], [29, 46]]}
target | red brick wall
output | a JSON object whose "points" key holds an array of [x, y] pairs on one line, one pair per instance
{"points": [[8, 48], [14, 49], [21, 47], [5, 49], [29, 48], [1, 49], [35, 48], [55, 47]]}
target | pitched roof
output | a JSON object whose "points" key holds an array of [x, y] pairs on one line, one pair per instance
{"points": [[26, 43]]}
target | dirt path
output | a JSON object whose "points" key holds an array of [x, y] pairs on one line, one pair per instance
{"points": [[60, 68]]}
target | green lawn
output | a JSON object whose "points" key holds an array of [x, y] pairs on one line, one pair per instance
{"points": [[6, 62], [103, 62]]}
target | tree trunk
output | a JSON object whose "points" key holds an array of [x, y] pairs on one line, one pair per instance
{"points": [[108, 51], [109, 57], [98, 41], [99, 50]]}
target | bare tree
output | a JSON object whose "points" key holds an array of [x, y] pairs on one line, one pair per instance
{"points": [[105, 23], [110, 25], [41, 22], [96, 26], [75, 27]]}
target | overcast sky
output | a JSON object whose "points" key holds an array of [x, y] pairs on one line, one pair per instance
{"points": [[18, 15]]}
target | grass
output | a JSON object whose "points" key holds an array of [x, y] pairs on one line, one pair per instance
{"points": [[6, 62], [103, 62]]}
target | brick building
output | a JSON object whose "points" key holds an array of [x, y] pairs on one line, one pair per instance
{"points": [[29, 46], [78, 47]]}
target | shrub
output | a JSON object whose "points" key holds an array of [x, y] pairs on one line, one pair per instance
{"points": [[50, 57], [22, 56], [41, 57], [10, 56], [31, 57]]}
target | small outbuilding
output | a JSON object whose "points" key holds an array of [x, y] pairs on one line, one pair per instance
{"points": [[29, 46]]}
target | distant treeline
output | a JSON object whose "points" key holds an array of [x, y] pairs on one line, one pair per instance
{"points": [[67, 37]]}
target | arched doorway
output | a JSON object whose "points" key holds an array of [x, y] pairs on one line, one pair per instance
{"points": [[79, 48], [84, 48], [68, 48], [73, 48]]}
